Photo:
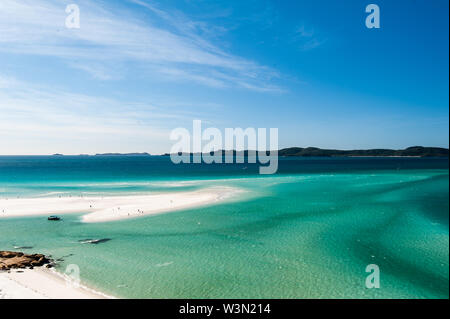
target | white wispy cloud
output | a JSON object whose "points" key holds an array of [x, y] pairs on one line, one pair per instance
{"points": [[169, 43], [96, 70], [36, 119], [7, 82], [308, 38]]}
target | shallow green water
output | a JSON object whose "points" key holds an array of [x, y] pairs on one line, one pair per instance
{"points": [[294, 235]]}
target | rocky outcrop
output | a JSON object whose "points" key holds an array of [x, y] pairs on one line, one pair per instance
{"points": [[17, 260]]}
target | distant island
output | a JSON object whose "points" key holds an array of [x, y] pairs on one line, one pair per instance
{"points": [[109, 154], [417, 151], [123, 154], [414, 151]]}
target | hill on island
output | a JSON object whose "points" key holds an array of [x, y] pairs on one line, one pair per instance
{"points": [[418, 151]]}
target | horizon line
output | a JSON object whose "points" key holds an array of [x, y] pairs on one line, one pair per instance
{"points": [[234, 150]]}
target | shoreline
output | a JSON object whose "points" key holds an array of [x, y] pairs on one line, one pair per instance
{"points": [[113, 208], [48, 283], [42, 283]]}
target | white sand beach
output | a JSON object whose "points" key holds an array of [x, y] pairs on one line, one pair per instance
{"points": [[41, 283], [111, 208]]}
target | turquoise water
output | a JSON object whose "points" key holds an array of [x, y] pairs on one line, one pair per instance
{"points": [[307, 232]]}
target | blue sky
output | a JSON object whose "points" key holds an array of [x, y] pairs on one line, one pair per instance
{"points": [[136, 69]]}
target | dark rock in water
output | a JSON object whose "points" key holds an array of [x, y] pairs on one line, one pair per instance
{"points": [[9, 254], [94, 241], [54, 218], [17, 260]]}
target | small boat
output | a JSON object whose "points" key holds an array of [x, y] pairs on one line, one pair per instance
{"points": [[54, 218]]}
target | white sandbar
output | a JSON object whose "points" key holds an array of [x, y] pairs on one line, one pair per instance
{"points": [[111, 208]]}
